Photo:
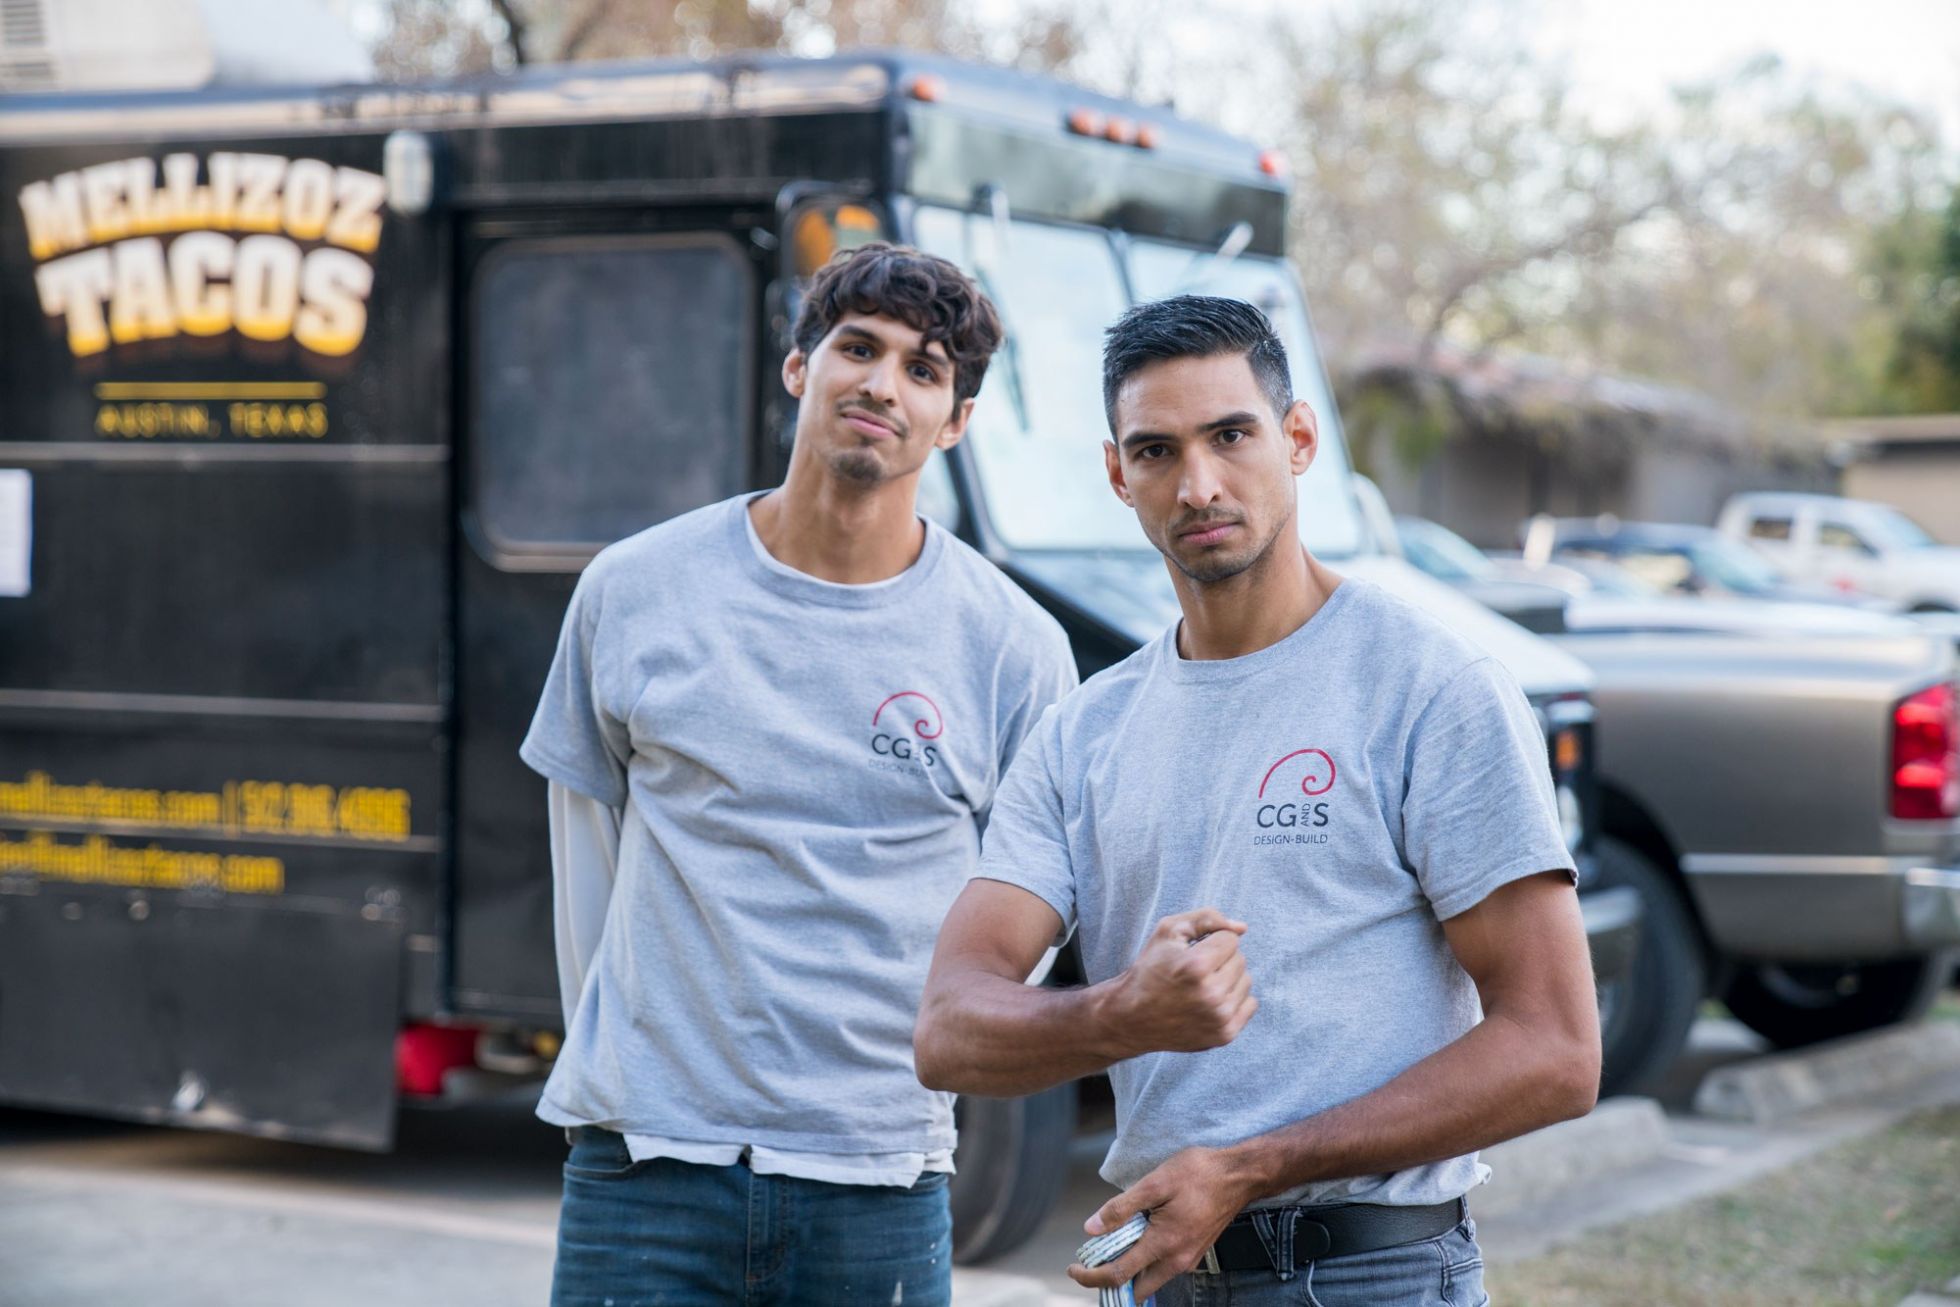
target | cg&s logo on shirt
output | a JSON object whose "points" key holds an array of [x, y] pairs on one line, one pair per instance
{"points": [[901, 727], [1281, 818]]}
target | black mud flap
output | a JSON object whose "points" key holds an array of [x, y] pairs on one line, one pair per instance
{"points": [[226, 1014]]}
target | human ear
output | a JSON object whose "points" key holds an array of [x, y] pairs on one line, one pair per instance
{"points": [[955, 428], [1302, 431], [1113, 465], [796, 369]]}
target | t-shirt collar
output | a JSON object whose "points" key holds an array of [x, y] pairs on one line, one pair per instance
{"points": [[775, 575], [1206, 671]]}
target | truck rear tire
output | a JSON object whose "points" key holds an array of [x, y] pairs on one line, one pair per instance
{"points": [[1646, 1025], [1792, 1004], [1013, 1160]]}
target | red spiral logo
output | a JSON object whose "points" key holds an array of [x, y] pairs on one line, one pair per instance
{"points": [[927, 728], [1310, 784]]}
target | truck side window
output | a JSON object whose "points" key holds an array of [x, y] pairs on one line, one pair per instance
{"points": [[609, 386], [1836, 535], [1770, 528]]}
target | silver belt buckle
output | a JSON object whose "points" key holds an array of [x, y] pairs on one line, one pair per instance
{"points": [[1209, 1262]]}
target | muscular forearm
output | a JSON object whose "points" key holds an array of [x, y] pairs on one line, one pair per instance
{"points": [[1500, 1080], [984, 1034]]}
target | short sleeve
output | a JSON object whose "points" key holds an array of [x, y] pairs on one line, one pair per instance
{"points": [[573, 739], [1049, 676], [1026, 843], [1479, 810]]}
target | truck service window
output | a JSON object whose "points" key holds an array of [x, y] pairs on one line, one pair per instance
{"points": [[609, 386], [1329, 521]]}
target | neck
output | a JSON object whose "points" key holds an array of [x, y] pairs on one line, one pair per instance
{"points": [[837, 530], [1259, 607]]}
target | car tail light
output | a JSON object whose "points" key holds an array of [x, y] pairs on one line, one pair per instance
{"points": [[1926, 755], [424, 1053]]}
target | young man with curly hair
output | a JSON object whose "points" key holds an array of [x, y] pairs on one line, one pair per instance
{"points": [[771, 732]]}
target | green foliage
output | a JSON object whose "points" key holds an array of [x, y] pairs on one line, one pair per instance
{"points": [[1410, 423], [1913, 272]]}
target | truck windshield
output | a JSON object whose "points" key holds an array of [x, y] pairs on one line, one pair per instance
{"points": [[1735, 566], [1038, 429], [1894, 530], [1037, 434]]}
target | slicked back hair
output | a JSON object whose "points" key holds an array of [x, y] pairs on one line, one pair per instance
{"points": [[925, 292], [1194, 326]]}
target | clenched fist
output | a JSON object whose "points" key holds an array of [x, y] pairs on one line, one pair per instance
{"points": [[1189, 989]]}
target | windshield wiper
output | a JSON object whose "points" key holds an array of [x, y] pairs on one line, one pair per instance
{"points": [[995, 197], [1206, 266]]}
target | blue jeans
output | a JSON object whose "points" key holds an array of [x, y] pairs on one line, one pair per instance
{"points": [[632, 1234], [1444, 1272]]}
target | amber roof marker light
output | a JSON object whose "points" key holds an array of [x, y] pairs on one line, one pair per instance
{"points": [[1085, 122], [928, 88]]}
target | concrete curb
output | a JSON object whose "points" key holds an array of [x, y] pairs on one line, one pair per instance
{"points": [[1618, 1134], [993, 1289], [1765, 1090]]}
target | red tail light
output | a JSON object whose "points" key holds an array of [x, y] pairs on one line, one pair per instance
{"points": [[1926, 755], [424, 1052]]}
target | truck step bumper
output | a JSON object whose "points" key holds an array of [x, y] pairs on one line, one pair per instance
{"points": [[1932, 906], [1825, 909]]}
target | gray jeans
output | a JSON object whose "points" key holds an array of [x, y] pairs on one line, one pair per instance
{"points": [[1443, 1272]]}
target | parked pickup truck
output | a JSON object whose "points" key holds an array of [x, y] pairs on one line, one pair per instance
{"points": [[1779, 782], [1850, 545], [1790, 811]]}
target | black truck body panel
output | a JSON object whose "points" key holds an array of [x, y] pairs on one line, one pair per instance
{"points": [[260, 802]]}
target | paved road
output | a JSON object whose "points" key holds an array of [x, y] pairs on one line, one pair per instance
{"points": [[95, 1214]]}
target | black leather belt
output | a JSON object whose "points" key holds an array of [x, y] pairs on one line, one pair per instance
{"points": [[1279, 1239]]}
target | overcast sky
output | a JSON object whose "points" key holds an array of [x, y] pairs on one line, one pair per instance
{"points": [[1623, 56]]}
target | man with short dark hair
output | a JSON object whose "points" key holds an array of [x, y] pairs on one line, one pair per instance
{"points": [[772, 729], [1302, 835]]}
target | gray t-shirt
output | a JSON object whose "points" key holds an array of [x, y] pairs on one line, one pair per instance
{"points": [[803, 768], [1342, 791]]}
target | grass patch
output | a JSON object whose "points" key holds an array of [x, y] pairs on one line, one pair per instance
{"points": [[1860, 1225]]}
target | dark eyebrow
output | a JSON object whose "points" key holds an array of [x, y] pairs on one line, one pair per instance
{"points": [[932, 352], [1238, 419]]}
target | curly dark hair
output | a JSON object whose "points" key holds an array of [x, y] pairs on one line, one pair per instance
{"points": [[923, 291]]}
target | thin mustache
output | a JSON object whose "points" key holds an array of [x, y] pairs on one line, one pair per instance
{"points": [[882, 419], [1191, 524]]}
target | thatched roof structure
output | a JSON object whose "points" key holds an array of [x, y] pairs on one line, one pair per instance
{"points": [[1571, 413]]}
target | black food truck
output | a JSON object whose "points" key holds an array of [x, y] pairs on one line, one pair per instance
{"points": [[314, 402]]}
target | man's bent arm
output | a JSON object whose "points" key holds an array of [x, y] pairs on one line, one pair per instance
{"points": [[1533, 1060], [982, 1031]]}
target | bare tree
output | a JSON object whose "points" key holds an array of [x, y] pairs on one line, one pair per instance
{"points": [[1449, 189]]}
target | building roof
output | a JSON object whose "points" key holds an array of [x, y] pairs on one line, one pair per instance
{"points": [[1897, 430], [1553, 403]]}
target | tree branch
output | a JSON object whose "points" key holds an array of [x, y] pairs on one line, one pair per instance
{"points": [[583, 29], [516, 27]]}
